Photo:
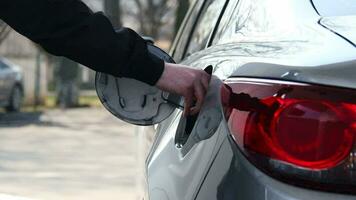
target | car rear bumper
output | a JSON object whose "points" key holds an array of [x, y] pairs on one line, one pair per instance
{"points": [[232, 176]]}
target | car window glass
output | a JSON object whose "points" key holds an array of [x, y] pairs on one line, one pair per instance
{"points": [[240, 23], [258, 21], [226, 18], [205, 25], [187, 29]]}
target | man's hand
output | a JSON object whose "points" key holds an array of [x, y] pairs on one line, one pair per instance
{"points": [[190, 83]]}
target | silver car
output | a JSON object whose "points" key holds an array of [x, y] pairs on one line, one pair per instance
{"points": [[11, 86], [279, 118]]}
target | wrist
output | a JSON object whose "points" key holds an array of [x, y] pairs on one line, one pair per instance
{"points": [[162, 80]]}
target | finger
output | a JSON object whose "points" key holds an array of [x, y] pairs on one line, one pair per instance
{"points": [[188, 101], [204, 87], [205, 81], [199, 92]]}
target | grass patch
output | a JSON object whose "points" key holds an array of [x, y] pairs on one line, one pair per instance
{"points": [[92, 101], [50, 103]]}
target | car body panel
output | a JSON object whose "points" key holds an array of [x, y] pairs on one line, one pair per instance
{"points": [[233, 177], [343, 25], [335, 8], [336, 75], [174, 170], [307, 56], [175, 177]]}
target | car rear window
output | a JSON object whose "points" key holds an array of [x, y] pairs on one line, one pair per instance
{"points": [[205, 25], [335, 7]]}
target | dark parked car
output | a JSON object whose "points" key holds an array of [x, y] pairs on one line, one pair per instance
{"points": [[11, 86], [279, 119]]}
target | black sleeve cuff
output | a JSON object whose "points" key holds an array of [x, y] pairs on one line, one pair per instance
{"points": [[143, 65]]}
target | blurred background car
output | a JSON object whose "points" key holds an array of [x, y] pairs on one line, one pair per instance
{"points": [[11, 86]]}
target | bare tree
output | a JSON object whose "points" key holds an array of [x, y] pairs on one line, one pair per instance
{"points": [[152, 15], [4, 30], [113, 11]]}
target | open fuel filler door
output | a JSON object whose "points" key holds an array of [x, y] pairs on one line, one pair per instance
{"points": [[134, 101]]}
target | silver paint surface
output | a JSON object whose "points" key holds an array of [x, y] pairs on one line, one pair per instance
{"points": [[277, 40]]}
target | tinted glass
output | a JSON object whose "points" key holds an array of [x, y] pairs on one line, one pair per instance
{"points": [[259, 21], [244, 21], [226, 18], [179, 46], [205, 25], [335, 7]]}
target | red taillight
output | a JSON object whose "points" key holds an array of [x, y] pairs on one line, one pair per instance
{"points": [[302, 127], [311, 134]]}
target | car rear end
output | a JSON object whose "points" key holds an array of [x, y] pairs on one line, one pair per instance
{"points": [[291, 131], [287, 139]]}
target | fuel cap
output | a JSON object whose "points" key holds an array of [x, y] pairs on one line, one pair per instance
{"points": [[134, 101]]}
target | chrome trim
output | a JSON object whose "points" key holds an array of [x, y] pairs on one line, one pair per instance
{"points": [[261, 80]]}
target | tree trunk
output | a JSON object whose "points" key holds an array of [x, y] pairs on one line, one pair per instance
{"points": [[67, 83], [183, 6], [152, 16], [113, 12]]}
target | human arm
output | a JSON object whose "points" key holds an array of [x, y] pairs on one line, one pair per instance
{"points": [[69, 28]]}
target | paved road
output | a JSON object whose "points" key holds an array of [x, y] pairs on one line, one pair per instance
{"points": [[75, 154]]}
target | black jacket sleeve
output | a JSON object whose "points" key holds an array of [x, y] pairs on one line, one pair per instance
{"points": [[69, 28]]}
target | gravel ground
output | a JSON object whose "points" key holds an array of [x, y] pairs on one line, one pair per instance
{"points": [[75, 154]]}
